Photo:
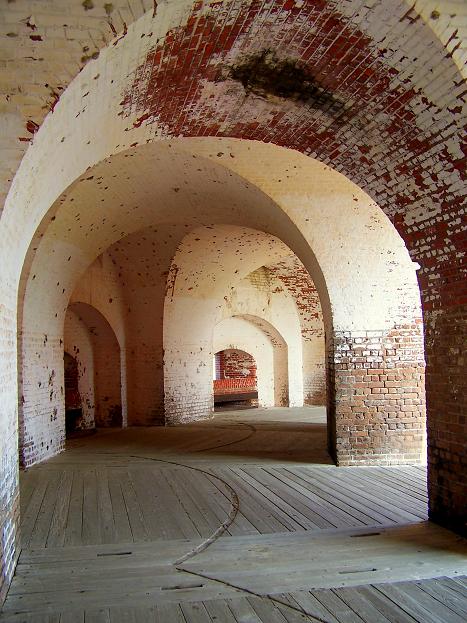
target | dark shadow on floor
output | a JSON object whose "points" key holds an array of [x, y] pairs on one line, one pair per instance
{"points": [[260, 435]]}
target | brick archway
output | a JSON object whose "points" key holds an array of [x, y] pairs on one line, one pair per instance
{"points": [[379, 99]]}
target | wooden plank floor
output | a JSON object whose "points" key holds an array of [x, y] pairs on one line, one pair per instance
{"points": [[104, 524]]}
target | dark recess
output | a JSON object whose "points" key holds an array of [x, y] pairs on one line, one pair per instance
{"points": [[264, 74]]}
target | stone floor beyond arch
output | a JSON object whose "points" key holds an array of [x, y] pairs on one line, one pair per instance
{"points": [[241, 519]]}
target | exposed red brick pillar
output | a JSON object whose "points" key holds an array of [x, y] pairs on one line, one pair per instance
{"points": [[377, 405], [445, 340], [439, 245]]}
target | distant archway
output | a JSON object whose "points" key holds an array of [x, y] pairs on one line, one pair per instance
{"points": [[73, 408], [235, 380], [78, 344], [397, 131], [86, 326], [269, 350]]}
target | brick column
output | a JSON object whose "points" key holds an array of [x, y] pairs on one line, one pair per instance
{"points": [[145, 381], [188, 387], [376, 390], [42, 398], [446, 337]]}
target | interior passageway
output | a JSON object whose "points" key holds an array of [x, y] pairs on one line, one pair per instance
{"points": [[240, 518], [196, 167]]}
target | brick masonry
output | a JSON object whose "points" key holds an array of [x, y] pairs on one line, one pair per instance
{"points": [[298, 282], [378, 413], [9, 488], [387, 111], [102, 365], [42, 387], [271, 359], [237, 364], [234, 385], [235, 374], [79, 344], [446, 337], [262, 299]]}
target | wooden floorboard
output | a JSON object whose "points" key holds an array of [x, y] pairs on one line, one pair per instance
{"points": [[418, 603], [344, 499], [333, 503], [104, 522], [73, 527]]}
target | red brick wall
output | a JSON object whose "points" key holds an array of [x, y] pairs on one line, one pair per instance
{"points": [[446, 339], [233, 364], [236, 364], [399, 136], [235, 385], [378, 413]]}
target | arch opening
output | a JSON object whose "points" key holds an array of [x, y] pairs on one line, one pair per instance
{"points": [[235, 383], [270, 352], [417, 181], [154, 249], [164, 268], [73, 408], [102, 362]]}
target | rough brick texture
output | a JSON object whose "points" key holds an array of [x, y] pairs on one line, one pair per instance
{"points": [[378, 410], [298, 282], [262, 299], [101, 366], [237, 364], [268, 351], [42, 386], [382, 103], [78, 343], [234, 385], [9, 488], [446, 339]]}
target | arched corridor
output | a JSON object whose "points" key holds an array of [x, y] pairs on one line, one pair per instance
{"points": [[235, 378], [179, 178], [86, 326]]}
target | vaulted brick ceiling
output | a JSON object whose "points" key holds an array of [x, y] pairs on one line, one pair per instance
{"points": [[43, 46], [371, 88]]}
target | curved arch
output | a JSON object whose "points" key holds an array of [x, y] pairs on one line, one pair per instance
{"points": [[88, 337], [414, 172], [68, 239], [197, 298], [235, 377], [173, 22], [68, 242], [269, 350], [293, 277], [282, 357], [196, 289], [242, 366], [108, 381], [260, 295], [445, 36], [100, 288]]}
